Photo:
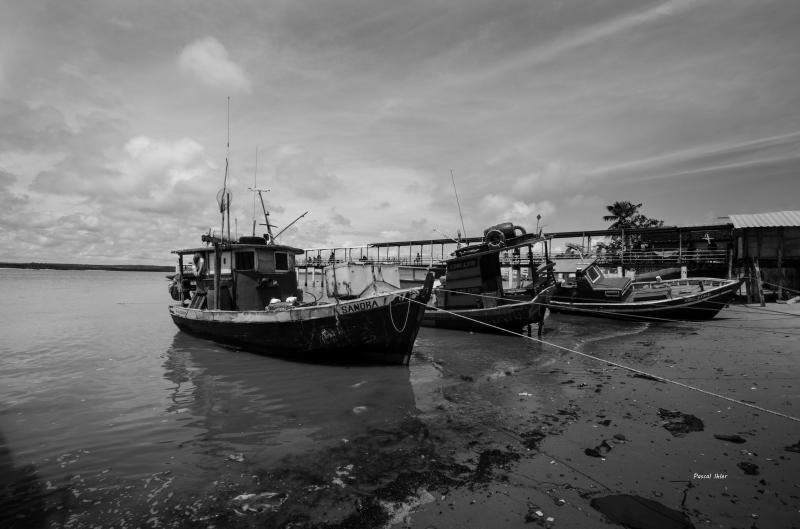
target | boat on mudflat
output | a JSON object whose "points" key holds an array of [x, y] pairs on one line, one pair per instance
{"points": [[247, 295], [472, 297], [591, 293]]}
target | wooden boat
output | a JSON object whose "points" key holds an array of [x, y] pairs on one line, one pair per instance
{"points": [[247, 295], [591, 293], [472, 297]]}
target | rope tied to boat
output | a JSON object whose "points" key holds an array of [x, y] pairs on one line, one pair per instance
{"points": [[653, 319], [626, 368], [408, 311]]}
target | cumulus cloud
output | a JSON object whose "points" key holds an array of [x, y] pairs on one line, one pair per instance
{"points": [[340, 220], [305, 173], [31, 128], [208, 61], [507, 209], [550, 177]]}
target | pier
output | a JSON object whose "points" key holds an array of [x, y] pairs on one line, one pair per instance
{"points": [[764, 247]]}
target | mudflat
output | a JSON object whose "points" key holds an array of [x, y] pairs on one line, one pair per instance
{"points": [[511, 432]]}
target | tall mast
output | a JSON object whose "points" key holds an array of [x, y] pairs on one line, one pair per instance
{"points": [[223, 199], [255, 172], [453, 179]]}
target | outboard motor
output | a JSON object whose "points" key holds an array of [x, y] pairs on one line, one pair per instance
{"points": [[496, 236]]}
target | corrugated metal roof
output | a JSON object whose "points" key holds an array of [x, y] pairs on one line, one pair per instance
{"points": [[766, 220]]}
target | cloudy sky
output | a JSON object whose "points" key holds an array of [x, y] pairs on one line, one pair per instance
{"points": [[113, 117]]}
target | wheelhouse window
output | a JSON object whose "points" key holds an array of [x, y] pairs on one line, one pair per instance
{"points": [[245, 260], [593, 273], [281, 261]]}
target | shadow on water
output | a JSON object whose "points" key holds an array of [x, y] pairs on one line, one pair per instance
{"points": [[22, 494]]}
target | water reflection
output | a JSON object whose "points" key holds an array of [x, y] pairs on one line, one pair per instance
{"points": [[265, 407], [22, 494]]}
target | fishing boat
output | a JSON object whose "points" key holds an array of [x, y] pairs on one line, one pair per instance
{"points": [[247, 295], [591, 293], [472, 297]]}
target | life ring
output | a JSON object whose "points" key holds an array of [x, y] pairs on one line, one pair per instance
{"points": [[495, 239], [198, 264]]}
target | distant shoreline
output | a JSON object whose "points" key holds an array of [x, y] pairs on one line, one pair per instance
{"points": [[69, 266]]}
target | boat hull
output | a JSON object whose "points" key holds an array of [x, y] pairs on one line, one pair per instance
{"points": [[376, 328], [495, 320], [703, 305]]}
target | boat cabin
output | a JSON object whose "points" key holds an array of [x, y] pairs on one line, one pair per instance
{"points": [[473, 276], [247, 275], [589, 283], [470, 273]]}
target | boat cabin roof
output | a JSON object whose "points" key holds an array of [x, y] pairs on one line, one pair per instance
{"points": [[242, 246], [569, 266]]}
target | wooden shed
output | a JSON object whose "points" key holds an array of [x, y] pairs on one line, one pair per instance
{"points": [[768, 248]]}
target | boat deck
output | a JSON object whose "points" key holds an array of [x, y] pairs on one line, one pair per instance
{"points": [[672, 288]]}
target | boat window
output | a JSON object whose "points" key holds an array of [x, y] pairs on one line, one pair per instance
{"points": [[281, 261], [245, 260], [593, 274]]}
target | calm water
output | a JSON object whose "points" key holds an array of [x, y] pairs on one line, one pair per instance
{"points": [[111, 416]]}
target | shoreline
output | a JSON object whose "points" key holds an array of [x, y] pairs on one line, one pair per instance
{"points": [[69, 266]]}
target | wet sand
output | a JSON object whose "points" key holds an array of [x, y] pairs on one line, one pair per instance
{"points": [[535, 436], [611, 432]]}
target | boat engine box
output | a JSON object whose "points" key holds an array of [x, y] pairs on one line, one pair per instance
{"points": [[352, 280]]}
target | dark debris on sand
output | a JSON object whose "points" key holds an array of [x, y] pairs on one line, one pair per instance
{"points": [[680, 424], [749, 468], [636, 512], [355, 485], [793, 448]]}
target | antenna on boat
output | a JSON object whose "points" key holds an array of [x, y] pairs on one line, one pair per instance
{"points": [[255, 172], [453, 179], [447, 236], [264, 209], [223, 196], [290, 224]]}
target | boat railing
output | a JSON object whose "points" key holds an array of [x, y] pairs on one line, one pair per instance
{"points": [[661, 257], [315, 262]]}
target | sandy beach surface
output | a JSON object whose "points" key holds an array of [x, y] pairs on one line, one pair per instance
{"points": [[567, 431], [533, 435]]}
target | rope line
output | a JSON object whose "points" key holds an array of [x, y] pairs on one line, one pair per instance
{"points": [[781, 286], [655, 319], [628, 368], [391, 316]]}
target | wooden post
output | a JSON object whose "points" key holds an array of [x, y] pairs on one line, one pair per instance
{"points": [[780, 263], [217, 273], [180, 275], [759, 286], [748, 284], [730, 263]]}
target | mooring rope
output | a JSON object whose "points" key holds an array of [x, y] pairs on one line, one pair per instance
{"points": [[627, 368], [781, 286], [655, 319], [408, 311]]}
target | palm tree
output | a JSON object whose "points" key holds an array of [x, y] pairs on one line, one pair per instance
{"points": [[625, 215], [622, 214]]}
